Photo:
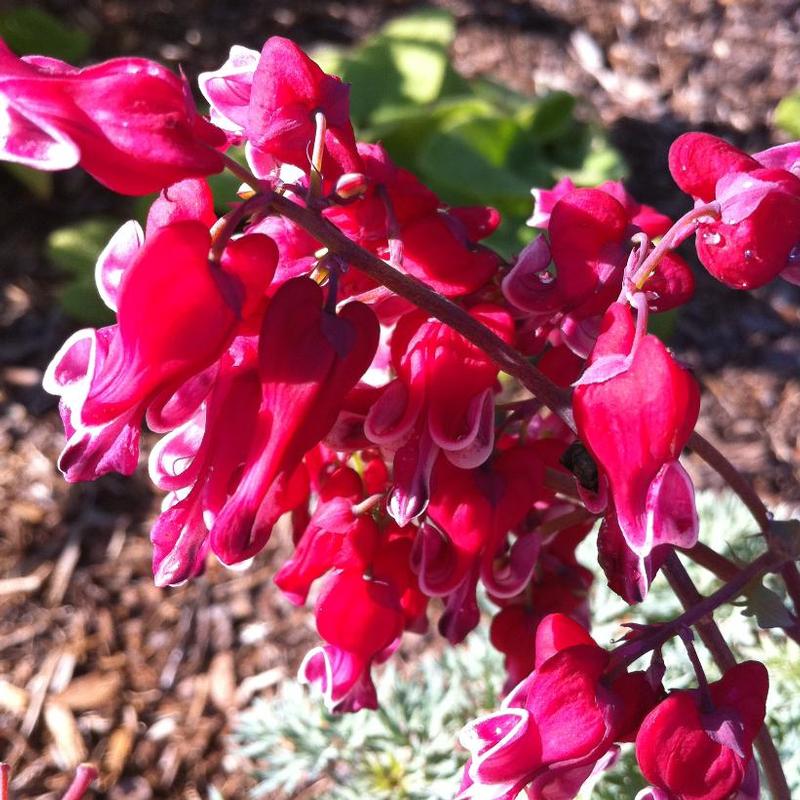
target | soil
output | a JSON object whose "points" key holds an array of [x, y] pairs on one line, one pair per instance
{"points": [[95, 662]]}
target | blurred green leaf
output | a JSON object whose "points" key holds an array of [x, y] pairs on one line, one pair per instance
{"points": [[551, 117], [466, 163], [31, 30], [430, 26], [787, 114], [663, 324], [75, 249], [38, 182]]}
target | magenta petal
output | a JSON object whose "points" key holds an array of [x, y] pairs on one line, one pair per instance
{"points": [[26, 139], [180, 543], [671, 512], [565, 782], [392, 416], [504, 747], [529, 286], [475, 447], [741, 193], [461, 613], [512, 577], [435, 561], [92, 452], [172, 463], [413, 464], [784, 156], [228, 88], [604, 368], [343, 679], [115, 258]]}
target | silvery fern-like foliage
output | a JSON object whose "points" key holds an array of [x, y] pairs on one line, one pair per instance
{"points": [[408, 750]]}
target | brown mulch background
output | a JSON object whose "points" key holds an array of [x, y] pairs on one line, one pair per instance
{"points": [[97, 663]]}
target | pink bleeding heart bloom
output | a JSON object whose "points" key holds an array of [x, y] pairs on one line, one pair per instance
{"points": [[360, 619], [695, 748], [227, 91], [309, 358], [567, 283], [644, 217], [198, 463], [338, 535], [288, 89], [176, 313], [554, 728], [635, 409], [129, 122], [442, 399], [757, 236], [559, 585], [475, 510], [402, 220]]}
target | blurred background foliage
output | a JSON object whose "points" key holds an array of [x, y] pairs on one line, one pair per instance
{"points": [[472, 141]]}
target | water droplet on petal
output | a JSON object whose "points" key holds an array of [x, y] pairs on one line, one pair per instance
{"points": [[545, 277], [712, 237], [748, 255], [794, 255]]}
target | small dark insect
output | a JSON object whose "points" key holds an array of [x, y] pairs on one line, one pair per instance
{"points": [[577, 460]]}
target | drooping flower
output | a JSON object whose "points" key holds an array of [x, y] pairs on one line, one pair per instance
{"points": [[442, 399], [177, 311], [556, 727], [696, 747], [635, 409], [129, 122], [360, 618], [757, 234], [309, 358]]}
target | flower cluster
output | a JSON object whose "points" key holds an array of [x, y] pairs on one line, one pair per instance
{"points": [[285, 379]]}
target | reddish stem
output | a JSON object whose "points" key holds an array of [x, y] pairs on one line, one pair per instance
{"points": [[5, 773], [84, 776], [704, 606], [422, 296], [720, 464], [678, 233]]}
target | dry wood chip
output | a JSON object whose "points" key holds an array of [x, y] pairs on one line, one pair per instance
{"points": [[70, 749], [200, 687], [38, 687], [13, 699], [26, 584], [91, 691], [222, 679], [120, 745], [65, 566]]}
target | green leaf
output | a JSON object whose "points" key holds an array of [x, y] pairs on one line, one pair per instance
{"points": [[599, 162], [430, 26], [38, 182], [31, 30], [787, 114], [663, 324], [466, 163], [551, 117], [75, 249], [767, 608]]}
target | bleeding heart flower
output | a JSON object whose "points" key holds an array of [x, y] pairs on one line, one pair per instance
{"points": [[757, 234], [635, 409], [129, 122], [696, 748]]}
